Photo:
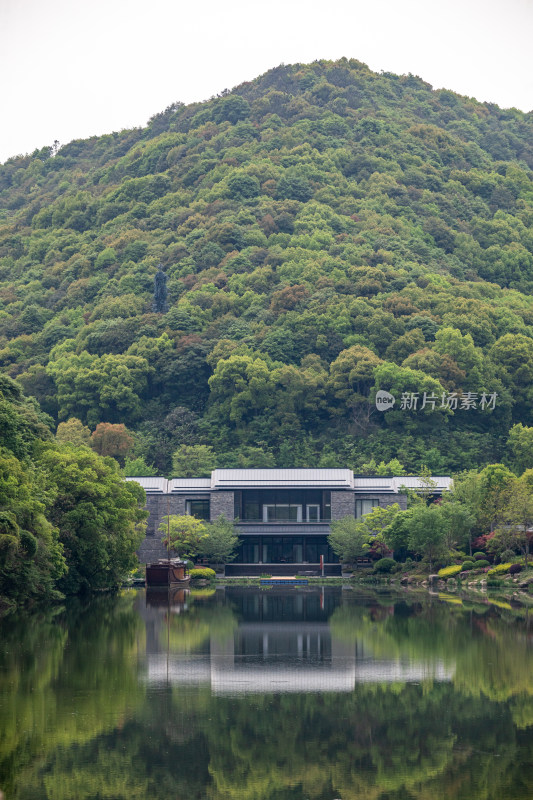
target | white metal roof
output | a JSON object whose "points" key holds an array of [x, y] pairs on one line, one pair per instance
{"points": [[371, 484], [152, 485], [281, 478], [290, 478], [189, 485], [439, 484]]}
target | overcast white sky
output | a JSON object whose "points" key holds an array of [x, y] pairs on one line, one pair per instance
{"points": [[74, 68]]}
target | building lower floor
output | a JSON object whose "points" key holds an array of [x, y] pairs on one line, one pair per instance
{"points": [[290, 549]]}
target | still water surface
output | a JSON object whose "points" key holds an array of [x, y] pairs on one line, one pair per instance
{"points": [[277, 694]]}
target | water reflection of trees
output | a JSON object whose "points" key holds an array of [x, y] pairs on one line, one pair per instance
{"points": [[189, 632], [76, 722]]}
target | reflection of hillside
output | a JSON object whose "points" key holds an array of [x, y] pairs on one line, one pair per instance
{"points": [[78, 720]]}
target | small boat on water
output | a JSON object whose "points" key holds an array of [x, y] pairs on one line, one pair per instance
{"points": [[167, 572]]}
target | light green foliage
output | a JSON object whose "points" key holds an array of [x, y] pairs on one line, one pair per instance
{"points": [[183, 534], [352, 375], [379, 519], [99, 516], [202, 573], [427, 533], [193, 461], [348, 539], [449, 572], [520, 445], [93, 386], [73, 431], [221, 542], [499, 569], [515, 515], [138, 468], [459, 519]]}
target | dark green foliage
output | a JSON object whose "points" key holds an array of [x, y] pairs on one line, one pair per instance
{"points": [[385, 565], [324, 232], [160, 293], [67, 519], [467, 565]]}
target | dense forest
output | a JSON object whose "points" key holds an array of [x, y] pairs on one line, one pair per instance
{"points": [[241, 276], [69, 523]]}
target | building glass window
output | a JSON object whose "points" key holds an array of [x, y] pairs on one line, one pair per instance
{"points": [[282, 513], [197, 508], [363, 507], [283, 505], [326, 505], [237, 505], [285, 550]]}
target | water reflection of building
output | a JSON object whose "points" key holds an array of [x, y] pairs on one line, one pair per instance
{"points": [[283, 643]]}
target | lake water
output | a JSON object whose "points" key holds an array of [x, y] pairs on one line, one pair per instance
{"points": [[292, 694]]}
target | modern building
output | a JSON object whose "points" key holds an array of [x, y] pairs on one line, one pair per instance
{"points": [[282, 516]]}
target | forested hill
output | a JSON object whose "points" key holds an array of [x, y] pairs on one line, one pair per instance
{"points": [[323, 232]]}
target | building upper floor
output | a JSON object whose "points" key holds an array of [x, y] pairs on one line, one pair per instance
{"points": [[281, 496]]}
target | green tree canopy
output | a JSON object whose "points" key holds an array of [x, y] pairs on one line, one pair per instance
{"points": [[220, 544], [183, 534]]}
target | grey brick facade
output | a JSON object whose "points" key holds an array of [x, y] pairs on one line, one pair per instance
{"points": [[342, 505], [222, 503], [158, 506]]}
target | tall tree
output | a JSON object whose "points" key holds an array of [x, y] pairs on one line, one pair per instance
{"points": [[160, 305]]}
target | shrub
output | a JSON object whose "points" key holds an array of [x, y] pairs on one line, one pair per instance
{"points": [[450, 572], [479, 556], [466, 565], [515, 568], [385, 565], [205, 573], [499, 569], [507, 555], [482, 563]]}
